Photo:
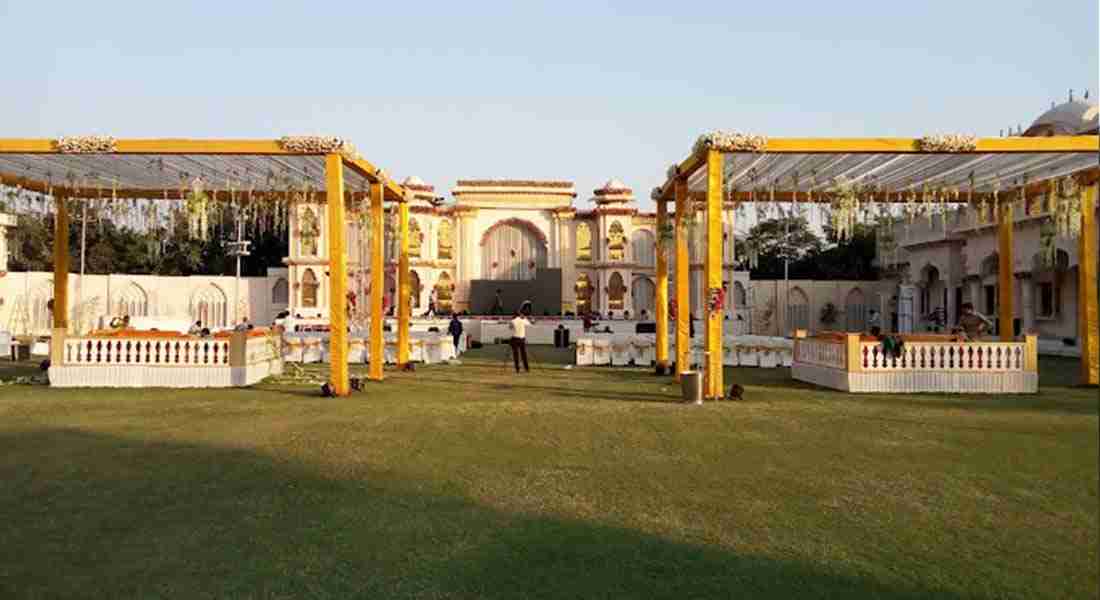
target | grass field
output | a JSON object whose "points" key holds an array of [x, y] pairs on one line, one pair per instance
{"points": [[470, 482]]}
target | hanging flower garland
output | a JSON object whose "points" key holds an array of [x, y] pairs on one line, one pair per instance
{"points": [[845, 207]]}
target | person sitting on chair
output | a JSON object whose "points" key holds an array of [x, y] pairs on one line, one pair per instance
{"points": [[972, 324], [195, 329]]}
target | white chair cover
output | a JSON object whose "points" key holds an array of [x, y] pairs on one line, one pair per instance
{"points": [[601, 354], [585, 352]]}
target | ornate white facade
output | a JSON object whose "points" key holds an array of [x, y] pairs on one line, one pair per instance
{"points": [[504, 230]]}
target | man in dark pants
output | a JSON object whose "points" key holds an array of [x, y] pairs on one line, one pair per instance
{"points": [[519, 341], [455, 329]]}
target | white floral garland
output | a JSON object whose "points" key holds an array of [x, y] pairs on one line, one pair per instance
{"points": [[731, 141], [86, 144], [315, 144], [947, 143]]}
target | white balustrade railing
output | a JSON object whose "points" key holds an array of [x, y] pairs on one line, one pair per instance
{"points": [[262, 349], [147, 351], [945, 356], [822, 353]]}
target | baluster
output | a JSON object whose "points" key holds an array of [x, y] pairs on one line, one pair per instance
{"points": [[1000, 350]]}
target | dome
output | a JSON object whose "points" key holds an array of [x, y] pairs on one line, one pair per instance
{"points": [[1069, 118], [614, 184]]}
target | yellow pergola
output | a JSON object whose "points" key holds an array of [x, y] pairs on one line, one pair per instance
{"points": [[726, 167], [152, 169]]}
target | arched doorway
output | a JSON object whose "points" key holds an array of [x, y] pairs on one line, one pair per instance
{"points": [[616, 291], [798, 311], [644, 247], [512, 250], [643, 295], [132, 302], [855, 311], [210, 307]]}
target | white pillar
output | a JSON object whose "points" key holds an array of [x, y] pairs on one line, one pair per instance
{"points": [[1027, 302]]}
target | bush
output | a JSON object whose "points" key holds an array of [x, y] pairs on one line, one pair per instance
{"points": [[829, 313]]}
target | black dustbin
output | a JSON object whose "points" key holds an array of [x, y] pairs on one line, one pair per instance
{"points": [[557, 338], [564, 338]]}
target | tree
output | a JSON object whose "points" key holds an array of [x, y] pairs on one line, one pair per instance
{"points": [[777, 240]]}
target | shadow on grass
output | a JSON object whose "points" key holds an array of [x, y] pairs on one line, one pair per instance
{"points": [[97, 516]]}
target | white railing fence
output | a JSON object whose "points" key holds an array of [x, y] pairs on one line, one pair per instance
{"points": [[946, 356], [148, 351]]}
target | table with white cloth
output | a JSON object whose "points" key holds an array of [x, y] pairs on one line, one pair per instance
{"points": [[426, 347]]}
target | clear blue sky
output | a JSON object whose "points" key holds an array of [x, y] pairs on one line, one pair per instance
{"points": [[570, 90]]}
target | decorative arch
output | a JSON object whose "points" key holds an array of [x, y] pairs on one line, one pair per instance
{"points": [[133, 301], [855, 310], [643, 295], [990, 265], [616, 291], [40, 307], [280, 292], [583, 290], [512, 249], [444, 293], [798, 309], [643, 245], [310, 289], [210, 307], [584, 241]]}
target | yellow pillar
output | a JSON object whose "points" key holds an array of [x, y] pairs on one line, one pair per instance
{"points": [[1005, 278], [404, 288], [377, 283], [683, 270], [714, 380], [60, 281], [61, 265], [338, 275], [1088, 317], [662, 287]]}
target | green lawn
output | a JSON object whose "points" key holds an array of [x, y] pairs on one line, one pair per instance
{"points": [[470, 482]]}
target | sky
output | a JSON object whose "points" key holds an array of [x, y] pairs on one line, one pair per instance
{"points": [[582, 91]]}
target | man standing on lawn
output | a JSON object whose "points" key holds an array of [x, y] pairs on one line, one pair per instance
{"points": [[519, 340], [455, 329]]}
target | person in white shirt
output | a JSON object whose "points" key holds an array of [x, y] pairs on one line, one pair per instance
{"points": [[519, 341]]}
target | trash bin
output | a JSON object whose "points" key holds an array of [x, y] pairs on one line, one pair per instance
{"points": [[564, 338], [557, 338], [691, 386]]}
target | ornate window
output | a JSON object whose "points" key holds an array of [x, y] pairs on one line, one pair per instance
{"points": [[616, 241], [309, 289], [584, 242], [446, 240]]}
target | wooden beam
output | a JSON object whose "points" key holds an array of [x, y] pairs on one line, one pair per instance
{"points": [[662, 286], [1005, 271], [1088, 318], [393, 191], [714, 382], [683, 271], [338, 276], [378, 283]]}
